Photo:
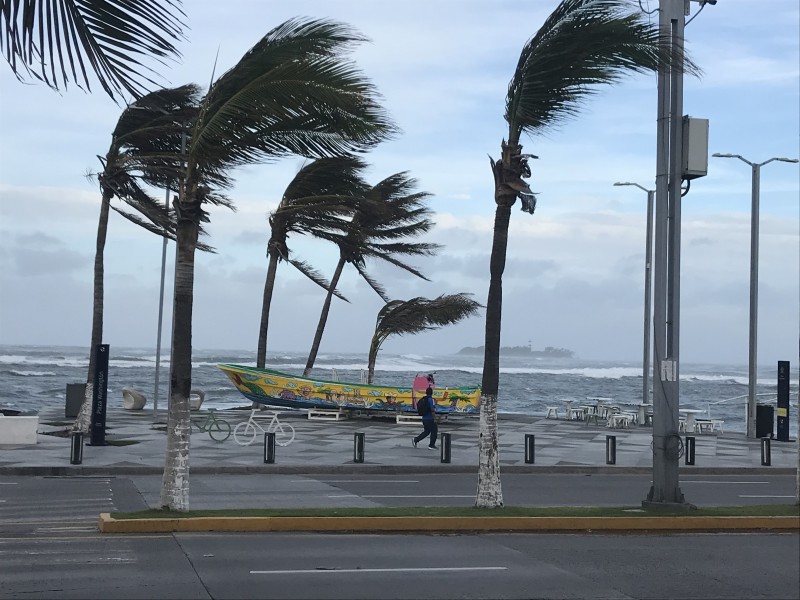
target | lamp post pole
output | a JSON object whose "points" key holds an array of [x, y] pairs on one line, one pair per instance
{"points": [[648, 255], [160, 313], [750, 417]]}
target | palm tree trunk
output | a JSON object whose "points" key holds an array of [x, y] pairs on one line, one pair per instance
{"points": [[82, 420], [490, 493], [374, 346], [323, 318], [175, 481], [269, 286]]}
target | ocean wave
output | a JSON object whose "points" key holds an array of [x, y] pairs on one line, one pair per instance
{"points": [[18, 373]]}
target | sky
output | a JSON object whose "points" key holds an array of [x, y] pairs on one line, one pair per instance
{"points": [[574, 275]]}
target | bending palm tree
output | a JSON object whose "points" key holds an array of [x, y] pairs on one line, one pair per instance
{"points": [[292, 93], [389, 213], [112, 36], [315, 203], [581, 44], [401, 317], [142, 146]]}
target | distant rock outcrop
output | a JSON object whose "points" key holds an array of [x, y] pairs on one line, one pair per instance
{"points": [[549, 351]]}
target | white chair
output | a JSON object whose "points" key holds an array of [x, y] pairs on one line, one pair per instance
{"points": [[552, 410], [196, 397], [132, 400]]}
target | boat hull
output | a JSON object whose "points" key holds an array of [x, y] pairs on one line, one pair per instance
{"points": [[274, 388]]}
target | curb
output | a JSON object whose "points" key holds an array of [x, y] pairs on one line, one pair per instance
{"points": [[76, 471], [107, 524]]}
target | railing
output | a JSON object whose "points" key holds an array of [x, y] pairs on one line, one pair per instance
{"points": [[709, 404]]}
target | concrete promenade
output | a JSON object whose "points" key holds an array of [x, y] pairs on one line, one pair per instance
{"points": [[328, 446]]}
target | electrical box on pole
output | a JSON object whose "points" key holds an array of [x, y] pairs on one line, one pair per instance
{"points": [[695, 148]]}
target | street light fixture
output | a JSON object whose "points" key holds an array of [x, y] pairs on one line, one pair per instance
{"points": [[754, 221], [647, 287]]}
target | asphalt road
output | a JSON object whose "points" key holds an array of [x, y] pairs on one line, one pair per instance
{"points": [[50, 547]]}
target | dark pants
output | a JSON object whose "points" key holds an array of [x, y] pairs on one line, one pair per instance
{"points": [[430, 429]]}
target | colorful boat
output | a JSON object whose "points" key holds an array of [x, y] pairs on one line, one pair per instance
{"points": [[274, 388]]}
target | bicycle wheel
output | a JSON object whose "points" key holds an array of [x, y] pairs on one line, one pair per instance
{"points": [[284, 433], [244, 434], [219, 430]]}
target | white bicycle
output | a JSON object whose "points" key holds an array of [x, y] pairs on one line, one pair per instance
{"points": [[246, 433]]}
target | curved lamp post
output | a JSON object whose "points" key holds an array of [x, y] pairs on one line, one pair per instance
{"points": [[754, 219], [647, 276]]}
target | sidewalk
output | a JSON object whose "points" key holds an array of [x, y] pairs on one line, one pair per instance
{"points": [[328, 446]]}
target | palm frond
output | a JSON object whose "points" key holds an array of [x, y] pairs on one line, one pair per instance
{"points": [[582, 44], [314, 276], [61, 41], [292, 93], [373, 283], [404, 317]]}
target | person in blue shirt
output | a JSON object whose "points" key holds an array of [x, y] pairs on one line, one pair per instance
{"points": [[428, 420]]}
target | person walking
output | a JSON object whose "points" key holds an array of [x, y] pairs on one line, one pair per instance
{"points": [[426, 408]]}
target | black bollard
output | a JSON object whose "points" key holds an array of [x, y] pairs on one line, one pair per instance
{"points": [[611, 449], [269, 447], [444, 443], [358, 447], [689, 450], [766, 452], [530, 450], [76, 448]]}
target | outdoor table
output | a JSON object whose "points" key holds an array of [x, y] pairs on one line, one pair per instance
{"points": [[691, 421]]}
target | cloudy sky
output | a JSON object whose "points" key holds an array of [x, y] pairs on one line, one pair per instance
{"points": [[575, 271]]}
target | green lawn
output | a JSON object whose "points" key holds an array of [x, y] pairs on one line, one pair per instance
{"points": [[508, 511]]}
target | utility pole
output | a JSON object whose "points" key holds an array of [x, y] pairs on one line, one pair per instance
{"points": [[666, 307]]}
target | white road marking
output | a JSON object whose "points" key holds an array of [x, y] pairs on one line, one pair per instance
{"points": [[412, 569], [407, 496], [709, 481], [355, 480], [8, 482], [746, 496]]}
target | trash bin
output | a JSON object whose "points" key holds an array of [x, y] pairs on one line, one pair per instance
{"points": [[75, 394], [765, 420]]}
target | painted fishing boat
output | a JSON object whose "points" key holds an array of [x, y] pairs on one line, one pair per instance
{"points": [[274, 388]]}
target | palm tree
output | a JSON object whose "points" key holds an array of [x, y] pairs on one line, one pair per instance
{"points": [[316, 202], [293, 93], [390, 213], [401, 317], [141, 151], [581, 44], [112, 36]]}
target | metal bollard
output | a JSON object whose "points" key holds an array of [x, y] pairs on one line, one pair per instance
{"points": [[611, 449], [76, 448], [358, 447], [444, 443], [689, 450], [766, 452], [269, 447], [530, 451]]}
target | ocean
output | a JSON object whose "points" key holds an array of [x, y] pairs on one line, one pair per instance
{"points": [[35, 377]]}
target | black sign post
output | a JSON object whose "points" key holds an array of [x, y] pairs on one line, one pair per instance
{"points": [[783, 400], [97, 426]]}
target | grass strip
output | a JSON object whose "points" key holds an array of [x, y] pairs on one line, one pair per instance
{"points": [[765, 510]]}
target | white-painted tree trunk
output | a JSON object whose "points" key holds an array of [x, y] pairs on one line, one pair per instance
{"points": [[175, 480], [490, 492], [83, 419]]}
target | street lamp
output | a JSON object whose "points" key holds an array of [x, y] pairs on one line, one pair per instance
{"points": [[647, 273], [754, 220]]}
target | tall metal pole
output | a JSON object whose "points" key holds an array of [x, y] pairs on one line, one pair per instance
{"points": [[753, 338], [648, 259], [752, 362], [160, 313], [666, 313]]}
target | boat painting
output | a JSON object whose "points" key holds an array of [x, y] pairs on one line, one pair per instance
{"points": [[274, 388]]}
